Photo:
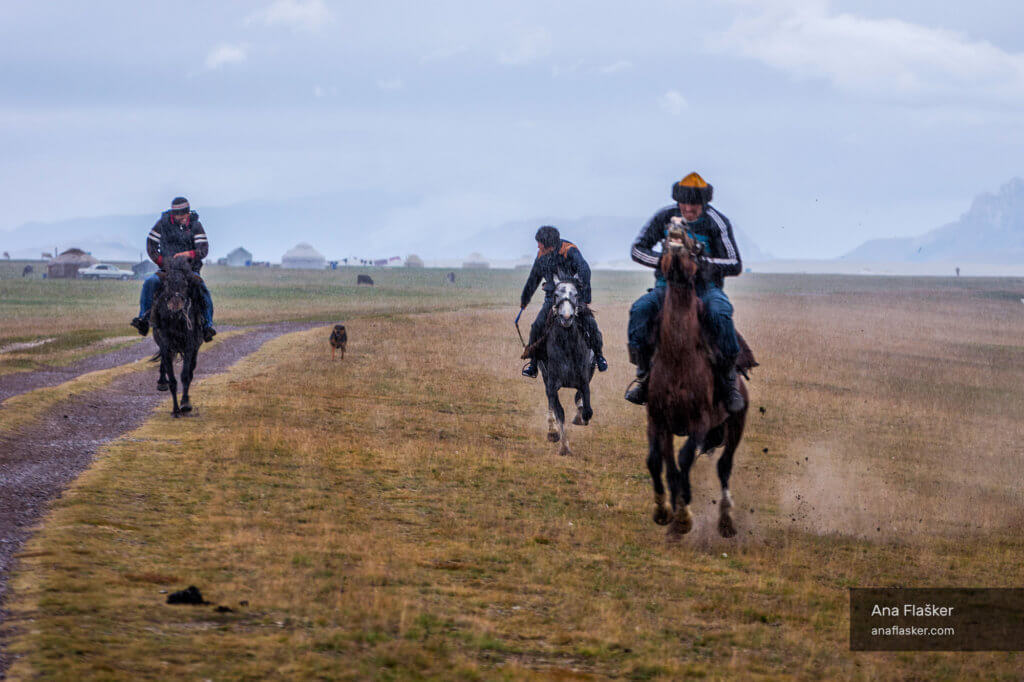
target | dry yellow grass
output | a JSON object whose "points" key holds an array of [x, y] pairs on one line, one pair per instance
{"points": [[399, 515], [24, 408]]}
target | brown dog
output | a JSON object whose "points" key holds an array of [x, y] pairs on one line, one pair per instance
{"points": [[338, 340]]}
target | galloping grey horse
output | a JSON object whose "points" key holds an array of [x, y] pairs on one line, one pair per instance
{"points": [[568, 361]]}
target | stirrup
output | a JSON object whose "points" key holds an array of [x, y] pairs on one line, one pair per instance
{"points": [[530, 369], [734, 401], [636, 392]]}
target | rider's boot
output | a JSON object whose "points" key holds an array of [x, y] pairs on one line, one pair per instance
{"points": [[142, 324], [208, 333], [729, 387], [530, 369], [637, 390], [602, 364]]}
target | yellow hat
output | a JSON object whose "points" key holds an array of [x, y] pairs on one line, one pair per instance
{"points": [[692, 189]]}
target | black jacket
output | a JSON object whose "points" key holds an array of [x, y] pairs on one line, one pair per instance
{"points": [[168, 238], [567, 262], [721, 257]]}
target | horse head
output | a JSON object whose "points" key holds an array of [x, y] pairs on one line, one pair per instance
{"points": [[567, 298], [679, 254], [178, 284]]}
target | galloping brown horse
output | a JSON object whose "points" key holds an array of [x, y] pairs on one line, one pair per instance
{"points": [[681, 396]]}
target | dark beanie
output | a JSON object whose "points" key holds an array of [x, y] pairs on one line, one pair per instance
{"points": [[179, 204], [548, 236], [692, 190]]}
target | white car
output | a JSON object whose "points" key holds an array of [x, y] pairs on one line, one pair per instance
{"points": [[104, 271]]}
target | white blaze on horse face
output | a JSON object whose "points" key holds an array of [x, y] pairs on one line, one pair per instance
{"points": [[565, 310]]}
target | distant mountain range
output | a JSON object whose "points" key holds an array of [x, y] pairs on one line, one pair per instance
{"points": [[991, 231], [600, 238], [360, 224]]}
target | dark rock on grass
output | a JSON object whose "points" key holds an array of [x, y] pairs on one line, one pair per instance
{"points": [[190, 595]]}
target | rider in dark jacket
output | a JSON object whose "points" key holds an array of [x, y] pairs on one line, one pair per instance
{"points": [[720, 258], [563, 259], [177, 234]]}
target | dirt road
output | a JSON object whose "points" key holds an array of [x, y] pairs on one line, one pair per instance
{"points": [[39, 460]]}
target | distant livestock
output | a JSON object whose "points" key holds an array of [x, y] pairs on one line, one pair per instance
{"points": [[26, 271], [364, 279], [450, 277], [339, 338]]}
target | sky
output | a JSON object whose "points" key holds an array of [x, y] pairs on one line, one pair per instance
{"points": [[820, 123]]}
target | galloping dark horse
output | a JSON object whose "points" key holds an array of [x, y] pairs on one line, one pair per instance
{"points": [[567, 362], [681, 396], [177, 321]]}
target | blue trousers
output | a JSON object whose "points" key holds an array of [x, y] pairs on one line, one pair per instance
{"points": [[717, 316], [149, 290]]}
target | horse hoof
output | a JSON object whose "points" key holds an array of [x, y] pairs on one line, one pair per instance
{"points": [[162, 386], [661, 515], [553, 437], [564, 451], [578, 421], [186, 408], [176, 414], [682, 523], [725, 526]]}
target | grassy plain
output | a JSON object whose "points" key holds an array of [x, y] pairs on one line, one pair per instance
{"points": [[399, 515], [77, 318]]}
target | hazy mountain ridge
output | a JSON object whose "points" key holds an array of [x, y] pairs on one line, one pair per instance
{"points": [[991, 231], [600, 238], [365, 225]]}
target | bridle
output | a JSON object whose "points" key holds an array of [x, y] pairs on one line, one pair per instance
{"points": [[566, 293], [186, 308], [677, 240]]}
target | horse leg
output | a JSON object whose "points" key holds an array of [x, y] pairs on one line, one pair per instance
{"points": [[662, 510], [733, 433], [584, 413], [556, 422], [578, 400], [188, 367], [554, 408], [683, 521], [161, 383], [167, 369], [588, 411]]}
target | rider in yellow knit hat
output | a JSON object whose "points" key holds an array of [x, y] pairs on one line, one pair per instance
{"points": [[719, 259]]}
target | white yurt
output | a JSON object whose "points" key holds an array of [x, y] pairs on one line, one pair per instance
{"points": [[303, 256]]}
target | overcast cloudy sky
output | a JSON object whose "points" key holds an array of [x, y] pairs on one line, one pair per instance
{"points": [[820, 123]]}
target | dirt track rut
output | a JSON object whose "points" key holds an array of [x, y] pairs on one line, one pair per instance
{"points": [[39, 460]]}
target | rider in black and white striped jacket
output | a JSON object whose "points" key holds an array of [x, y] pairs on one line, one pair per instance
{"points": [[719, 259]]}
